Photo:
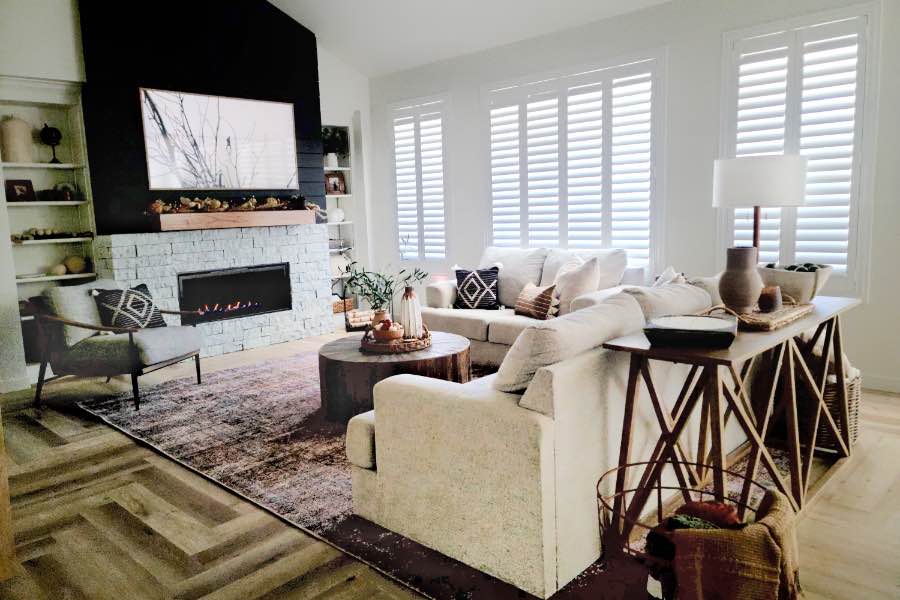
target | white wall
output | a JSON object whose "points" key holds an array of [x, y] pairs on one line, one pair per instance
{"points": [[41, 38], [690, 32]]}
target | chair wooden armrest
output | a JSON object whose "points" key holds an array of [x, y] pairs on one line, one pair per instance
{"points": [[180, 312], [64, 321]]}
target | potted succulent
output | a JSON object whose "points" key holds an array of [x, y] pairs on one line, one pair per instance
{"points": [[380, 288]]}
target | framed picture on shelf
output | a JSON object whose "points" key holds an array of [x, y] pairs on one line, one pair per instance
{"points": [[19, 190], [335, 184]]}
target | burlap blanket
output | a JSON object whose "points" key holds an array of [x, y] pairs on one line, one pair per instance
{"points": [[758, 562]]}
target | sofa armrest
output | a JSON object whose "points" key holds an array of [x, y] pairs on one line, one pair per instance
{"points": [[595, 298], [440, 294], [463, 462]]}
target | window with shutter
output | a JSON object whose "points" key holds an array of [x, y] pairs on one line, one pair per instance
{"points": [[572, 160], [419, 180], [800, 90]]}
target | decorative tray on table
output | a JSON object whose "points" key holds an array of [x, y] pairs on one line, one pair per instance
{"points": [[692, 331], [392, 342]]}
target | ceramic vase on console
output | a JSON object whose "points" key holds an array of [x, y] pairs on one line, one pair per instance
{"points": [[740, 284], [410, 315]]}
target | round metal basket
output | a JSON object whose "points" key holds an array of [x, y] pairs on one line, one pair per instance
{"points": [[624, 535]]}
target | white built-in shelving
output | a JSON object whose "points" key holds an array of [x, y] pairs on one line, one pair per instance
{"points": [[57, 104]]}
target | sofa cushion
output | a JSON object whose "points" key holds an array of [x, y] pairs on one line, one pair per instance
{"points": [[537, 302], [517, 267], [472, 324], [710, 284], [548, 342], [76, 303], [573, 281], [612, 263], [670, 299], [505, 329], [110, 354], [360, 444], [477, 289]]}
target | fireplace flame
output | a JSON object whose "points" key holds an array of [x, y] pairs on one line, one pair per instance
{"points": [[230, 307]]}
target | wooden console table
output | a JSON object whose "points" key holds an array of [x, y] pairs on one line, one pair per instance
{"points": [[717, 381]]}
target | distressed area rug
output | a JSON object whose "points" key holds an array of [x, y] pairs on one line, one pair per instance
{"points": [[259, 431]]}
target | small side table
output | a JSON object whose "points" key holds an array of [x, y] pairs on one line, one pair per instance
{"points": [[717, 381], [347, 375]]}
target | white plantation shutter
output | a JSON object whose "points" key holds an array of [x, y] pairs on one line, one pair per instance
{"points": [[761, 113], [571, 161], [799, 91], [630, 175], [419, 180]]}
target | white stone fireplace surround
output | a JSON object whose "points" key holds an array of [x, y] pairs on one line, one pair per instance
{"points": [[156, 259]]}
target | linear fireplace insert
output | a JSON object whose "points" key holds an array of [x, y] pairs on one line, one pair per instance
{"points": [[234, 293]]}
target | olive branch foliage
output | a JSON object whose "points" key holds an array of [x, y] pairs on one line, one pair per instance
{"points": [[380, 288]]}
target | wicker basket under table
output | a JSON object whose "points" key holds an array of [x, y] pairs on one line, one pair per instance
{"points": [[824, 437]]}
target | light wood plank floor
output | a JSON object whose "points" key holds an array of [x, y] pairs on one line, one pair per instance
{"points": [[97, 516]]}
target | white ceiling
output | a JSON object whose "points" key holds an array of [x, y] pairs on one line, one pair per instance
{"points": [[383, 36]]}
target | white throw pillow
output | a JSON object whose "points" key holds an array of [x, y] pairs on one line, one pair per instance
{"points": [[670, 299], [576, 279], [612, 265], [517, 267], [549, 342], [710, 284]]}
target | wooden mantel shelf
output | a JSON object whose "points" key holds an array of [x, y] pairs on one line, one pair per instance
{"points": [[226, 220]]}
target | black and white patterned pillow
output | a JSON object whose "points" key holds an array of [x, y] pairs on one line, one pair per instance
{"points": [[131, 308], [477, 289]]}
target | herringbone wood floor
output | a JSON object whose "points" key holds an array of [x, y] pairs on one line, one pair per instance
{"points": [[97, 516]]}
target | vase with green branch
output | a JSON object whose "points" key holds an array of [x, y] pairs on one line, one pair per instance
{"points": [[379, 289]]}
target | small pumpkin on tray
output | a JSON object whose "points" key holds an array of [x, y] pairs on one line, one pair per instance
{"points": [[387, 331]]}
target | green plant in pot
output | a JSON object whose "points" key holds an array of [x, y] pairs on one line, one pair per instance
{"points": [[379, 289]]}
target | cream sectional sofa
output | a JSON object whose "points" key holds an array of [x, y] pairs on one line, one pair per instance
{"points": [[492, 332], [505, 482]]}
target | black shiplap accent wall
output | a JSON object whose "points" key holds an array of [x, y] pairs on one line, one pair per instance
{"points": [[239, 48]]}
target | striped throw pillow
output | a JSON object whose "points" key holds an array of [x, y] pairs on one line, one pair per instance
{"points": [[537, 302]]}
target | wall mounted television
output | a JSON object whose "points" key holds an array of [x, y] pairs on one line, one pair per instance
{"points": [[200, 142]]}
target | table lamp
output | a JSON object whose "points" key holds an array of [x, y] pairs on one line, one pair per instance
{"points": [[753, 181]]}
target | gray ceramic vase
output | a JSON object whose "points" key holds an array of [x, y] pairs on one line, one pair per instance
{"points": [[740, 284]]}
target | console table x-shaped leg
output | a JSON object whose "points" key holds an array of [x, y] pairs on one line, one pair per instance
{"points": [[721, 391]]}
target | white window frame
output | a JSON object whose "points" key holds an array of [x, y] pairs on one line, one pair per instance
{"points": [[856, 280], [412, 107], [658, 59]]}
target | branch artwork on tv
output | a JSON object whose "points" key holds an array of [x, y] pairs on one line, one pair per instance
{"points": [[199, 142]]}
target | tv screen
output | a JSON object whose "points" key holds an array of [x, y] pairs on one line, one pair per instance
{"points": [[199, 142]]}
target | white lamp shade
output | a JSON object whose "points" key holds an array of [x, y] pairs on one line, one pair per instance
{"points": [[776, 180]]}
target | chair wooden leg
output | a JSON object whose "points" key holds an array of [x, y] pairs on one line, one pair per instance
{"points": [[197, 364], [40, 385], [108, 378], [136, 390]]}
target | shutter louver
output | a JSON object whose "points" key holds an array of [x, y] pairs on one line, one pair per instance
{"points": [[506, 201], [419, 181], [542, 134], [631, 176], [761, 113], [828, 104], [584, 135], [571, 162]]}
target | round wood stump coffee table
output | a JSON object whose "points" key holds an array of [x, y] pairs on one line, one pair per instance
{"points": [[347, 375]]}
